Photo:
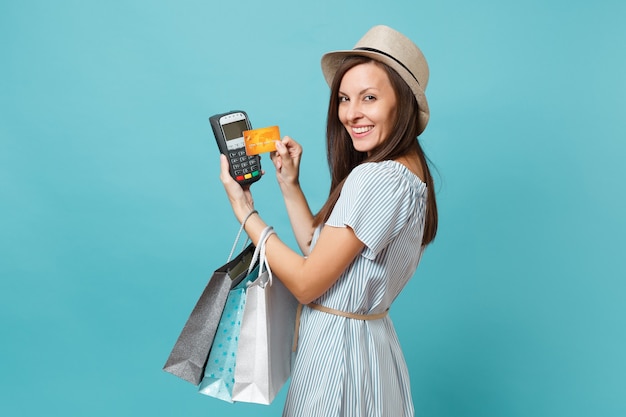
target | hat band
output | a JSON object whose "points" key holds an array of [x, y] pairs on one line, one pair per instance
{"points": [[378, 51]]}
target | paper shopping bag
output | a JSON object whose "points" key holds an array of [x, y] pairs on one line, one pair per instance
{"points": [[189, 355], [219, 373], [265, 340]]}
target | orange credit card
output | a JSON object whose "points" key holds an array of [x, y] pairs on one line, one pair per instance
{"points": [[261, 140]]}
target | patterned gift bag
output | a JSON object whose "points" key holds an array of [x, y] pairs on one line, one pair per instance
{"points": [[219, 374]]}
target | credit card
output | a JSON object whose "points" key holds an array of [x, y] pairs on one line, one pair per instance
{"points": [[261, 140]]}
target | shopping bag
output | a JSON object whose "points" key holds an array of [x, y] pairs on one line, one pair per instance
{"points": [[266, 337], [219, 373], [190, 352], [220, 368]]}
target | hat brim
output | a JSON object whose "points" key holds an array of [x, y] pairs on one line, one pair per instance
{"points": [[331, 62]]}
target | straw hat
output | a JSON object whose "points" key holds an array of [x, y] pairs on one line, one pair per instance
{"points": [[390, 47]]}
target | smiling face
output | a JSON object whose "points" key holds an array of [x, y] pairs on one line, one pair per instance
{"points": [[367, 106]]}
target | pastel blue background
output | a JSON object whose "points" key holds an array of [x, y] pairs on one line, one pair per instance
{"points": [[112, 216]]}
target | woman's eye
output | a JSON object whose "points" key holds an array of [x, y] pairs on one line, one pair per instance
{"points": [[369, 98], [343, 99]]}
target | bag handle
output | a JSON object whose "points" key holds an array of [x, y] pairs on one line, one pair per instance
{"points": [[243, 223], [259, 253], [263, 262], [257, 250]]}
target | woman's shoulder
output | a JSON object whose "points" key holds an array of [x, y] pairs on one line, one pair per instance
{"points": [[383, 173], [385, 168]]}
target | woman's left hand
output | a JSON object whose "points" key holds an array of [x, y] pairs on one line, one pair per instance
{"points": [[240, 197]]}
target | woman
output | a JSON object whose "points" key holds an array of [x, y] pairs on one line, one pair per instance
{"points": [[365, 243]]}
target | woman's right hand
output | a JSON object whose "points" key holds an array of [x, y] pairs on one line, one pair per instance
{"points": [[286, 160], [240, 197]]}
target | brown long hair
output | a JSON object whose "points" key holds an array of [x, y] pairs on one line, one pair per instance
{"points": [[403, 141]]}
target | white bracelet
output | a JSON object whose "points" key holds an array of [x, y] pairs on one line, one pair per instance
{"points": [[245, 219]]}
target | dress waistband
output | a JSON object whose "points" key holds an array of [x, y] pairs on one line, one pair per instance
{"points": [[346, 314], [334, 312]]}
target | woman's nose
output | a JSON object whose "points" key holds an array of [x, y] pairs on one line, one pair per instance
{"points": [[353, 112]]}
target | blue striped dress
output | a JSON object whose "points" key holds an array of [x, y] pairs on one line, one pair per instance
{"points": [[355, 368]]}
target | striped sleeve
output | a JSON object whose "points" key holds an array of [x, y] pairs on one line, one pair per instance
{"points": [[371, 204]]}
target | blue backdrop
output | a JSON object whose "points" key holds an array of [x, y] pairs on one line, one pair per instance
{"points": [[112, 216]]}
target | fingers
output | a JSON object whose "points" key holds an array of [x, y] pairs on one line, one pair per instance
{"points": [[227, 180], [224, 169], [286, 157], [290, 148], [281, 149], [283, 159], [277, 160], [290, 143]]}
